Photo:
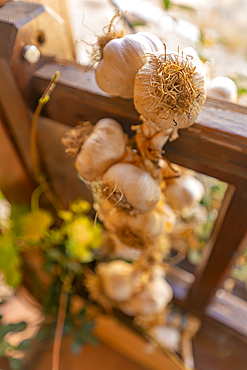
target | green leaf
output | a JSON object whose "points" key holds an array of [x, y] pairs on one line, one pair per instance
{"points": [[17, 212], [15, 328], [55, 237], [82, 313], [4, 347], [167, 4], [56, 255], [10, 260], [241, 91], [139, 23], [74, 266], [15, 364], [24, 345], [184, 7], [43, 334]]}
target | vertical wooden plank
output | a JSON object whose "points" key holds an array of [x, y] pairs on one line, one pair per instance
{"points": [[58, 165], [227, 236], [15, 183], [14, 114]]}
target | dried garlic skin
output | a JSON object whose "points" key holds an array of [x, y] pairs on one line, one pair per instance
{"points": [[117, 280], [223, 88], [136, 189], [152, 300], [151, 224], [184, 192], [105, 146], [122, 58], [170, 90], [123, 251]]}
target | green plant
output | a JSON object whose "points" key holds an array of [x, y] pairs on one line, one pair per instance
{"points": [[168, 4]]}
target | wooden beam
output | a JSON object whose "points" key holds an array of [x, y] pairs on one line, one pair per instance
{"points": [[215, 145], [133, 346]]}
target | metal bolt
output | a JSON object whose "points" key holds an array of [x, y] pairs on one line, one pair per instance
{"points": [[31, 54]]}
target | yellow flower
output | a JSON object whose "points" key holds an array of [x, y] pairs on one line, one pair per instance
{"points": [[35, 225], [83, 237]]}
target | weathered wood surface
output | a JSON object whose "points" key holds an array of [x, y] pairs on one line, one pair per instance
{"points": [[59, 166], [215, 145], [14, 114], [15, 182], [227, 237], [25, 23]]}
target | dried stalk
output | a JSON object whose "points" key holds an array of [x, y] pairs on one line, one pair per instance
{"points": [[63, 303]]}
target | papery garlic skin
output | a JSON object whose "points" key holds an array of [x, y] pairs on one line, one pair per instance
{"points": [[122, 58], [105, 146], [146, 224], [167, 215], [168, 114], [123, 251], [139, 189], [117, 280], [223, 88], [183, 192], [152, 300], [167, 337]]}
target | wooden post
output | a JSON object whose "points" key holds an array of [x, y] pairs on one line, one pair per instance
{"points": [[220, 252], [18, 28]]}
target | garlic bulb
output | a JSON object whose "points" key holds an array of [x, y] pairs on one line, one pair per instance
{"points": [[150, 142], [117, 280], [153, 299], [200, 65], [123, 251], [131, 188], [105, 145], [168, 216], [122, 58], [145, 224], [222, 87], [167, 337], [170, 90], [183, 192]]}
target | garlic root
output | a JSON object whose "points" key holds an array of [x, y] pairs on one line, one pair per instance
{"points": [[169, 90], [131, 187]]}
